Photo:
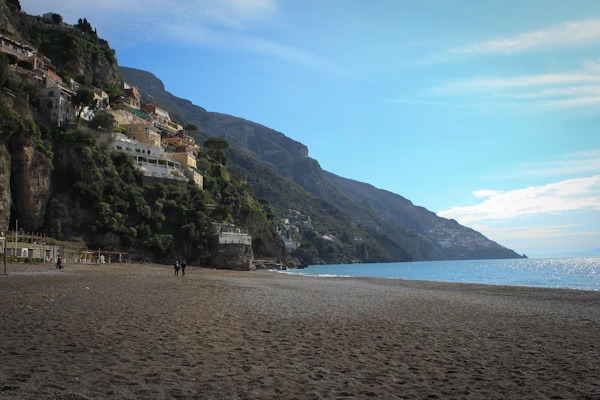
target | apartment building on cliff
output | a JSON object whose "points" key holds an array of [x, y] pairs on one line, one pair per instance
{"points": [[158, 146], [150, 160]]}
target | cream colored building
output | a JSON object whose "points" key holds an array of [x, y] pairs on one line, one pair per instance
{"points": [[184, 158], [144, 133]]}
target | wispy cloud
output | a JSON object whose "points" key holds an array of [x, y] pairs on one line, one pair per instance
{"points": [[231, 25], [564, 196], [571, 164], [546, 91], [536, 232], [564, 35], [484, 84], [564, 89]]}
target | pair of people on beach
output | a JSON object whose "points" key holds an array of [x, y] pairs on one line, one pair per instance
{"points": [[177, 266]]}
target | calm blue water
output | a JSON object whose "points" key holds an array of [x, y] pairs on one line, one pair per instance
{"points": [[568, 273]]}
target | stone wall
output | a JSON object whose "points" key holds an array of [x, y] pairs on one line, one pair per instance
{"points": [[232, 256]]}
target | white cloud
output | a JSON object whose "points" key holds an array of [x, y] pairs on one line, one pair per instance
{"points": [[545, 91], [564, 35], [486, 193], [232, 25], [571, 164], [564, 196], [482, 84], [535, 232], [554, 90]]}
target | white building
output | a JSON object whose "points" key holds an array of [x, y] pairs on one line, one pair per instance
{"points": [[56, 103], [149, 159]]}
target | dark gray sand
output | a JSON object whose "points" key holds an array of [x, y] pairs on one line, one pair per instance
{"points": [[138, 332]]}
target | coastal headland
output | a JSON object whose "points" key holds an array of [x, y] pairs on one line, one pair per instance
{"points": [[133, 331]]}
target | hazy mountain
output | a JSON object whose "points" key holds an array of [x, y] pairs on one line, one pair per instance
{"points": [[337, 219]]}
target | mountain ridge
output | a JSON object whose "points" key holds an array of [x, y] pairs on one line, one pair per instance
{"points": [[396, 228]]}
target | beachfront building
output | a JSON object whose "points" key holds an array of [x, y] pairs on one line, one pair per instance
{"points": [[230, 234], [233, 249]]}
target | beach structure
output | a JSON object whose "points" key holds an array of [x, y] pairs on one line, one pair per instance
{"points": [[233, 249]]}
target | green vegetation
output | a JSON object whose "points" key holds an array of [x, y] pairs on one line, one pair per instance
{"points": [[98, 194], [158, 221], [14, 119], [73, 50]]}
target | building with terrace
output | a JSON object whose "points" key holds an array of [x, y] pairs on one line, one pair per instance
{"points": [[150, 160], [143, 132], [162, 120]]}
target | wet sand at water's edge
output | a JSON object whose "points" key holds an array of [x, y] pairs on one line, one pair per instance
{"points": [[138, 332]]}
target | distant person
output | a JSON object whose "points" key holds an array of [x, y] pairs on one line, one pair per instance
{"points": [[176, 267], [59, 262], [183, 269]]}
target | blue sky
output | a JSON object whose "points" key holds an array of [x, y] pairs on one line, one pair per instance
{"points": [[487, 112]]}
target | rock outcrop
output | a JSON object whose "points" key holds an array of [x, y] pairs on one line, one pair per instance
{"points": [[29, 183], [5, 193]]}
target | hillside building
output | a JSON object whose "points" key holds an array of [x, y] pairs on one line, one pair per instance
{"points": [[149, 159], [132, 96], [143, 132], [56, 105]]}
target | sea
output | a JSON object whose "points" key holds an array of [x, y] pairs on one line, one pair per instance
{"points": [[581, 273]]}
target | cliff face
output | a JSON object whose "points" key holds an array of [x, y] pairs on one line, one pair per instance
{"points": [[24, 185], [5, 192], [24, 172], [29, 183], [78, 54], [5, 17]]}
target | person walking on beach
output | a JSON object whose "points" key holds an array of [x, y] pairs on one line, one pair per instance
{"points": [[176, 267], [183, 268]]}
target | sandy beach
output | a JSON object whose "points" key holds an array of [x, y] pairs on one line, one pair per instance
{"points": [[138, 332]]}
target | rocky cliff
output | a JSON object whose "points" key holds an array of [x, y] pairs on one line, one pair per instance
{"points": [[25, 172], [69, 182]]}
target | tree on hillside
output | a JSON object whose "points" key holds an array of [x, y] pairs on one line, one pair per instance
{"points": [[103, 121], [85, 26], [191, 128], [57, 19], [84, 98], [14, 5], [215, 148], [216, 144]]}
